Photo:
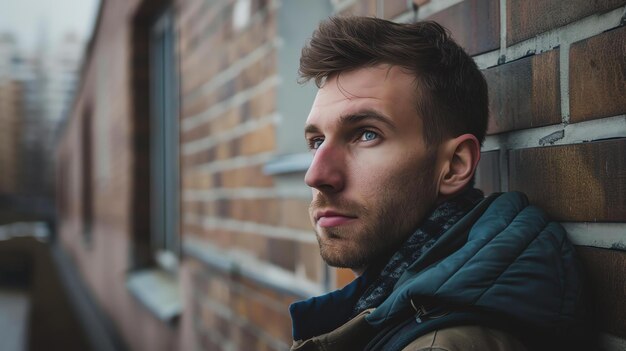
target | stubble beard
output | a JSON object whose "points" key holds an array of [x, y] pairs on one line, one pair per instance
{"points": [[381, 229]]}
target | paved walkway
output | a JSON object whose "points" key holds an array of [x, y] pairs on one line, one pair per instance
{"points": [[14, 306]]}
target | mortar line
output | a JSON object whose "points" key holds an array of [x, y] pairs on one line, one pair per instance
{"points": [[597, 234], [599, 129], [564, 82], [503, 30], [582, 29]]}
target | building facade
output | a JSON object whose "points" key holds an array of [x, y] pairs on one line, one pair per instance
{"points": [[10, 110], [180, 171], [36, 89]]}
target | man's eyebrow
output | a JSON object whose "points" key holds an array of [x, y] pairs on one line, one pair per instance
{"points": [[354, 118], [364, 116], [310, 128]]}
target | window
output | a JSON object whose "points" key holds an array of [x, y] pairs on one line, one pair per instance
{"points": [[155, 165], [164, 164]]}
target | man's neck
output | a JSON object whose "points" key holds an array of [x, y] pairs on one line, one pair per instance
{"points": [[358, 271]]}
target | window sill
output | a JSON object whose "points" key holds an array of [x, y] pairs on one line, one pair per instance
{"points": [[158, 291], [285, 164], [240, 263]]}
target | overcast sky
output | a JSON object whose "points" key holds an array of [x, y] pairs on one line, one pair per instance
{"points": [[30, 20]]}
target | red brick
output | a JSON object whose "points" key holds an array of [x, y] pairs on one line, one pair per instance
{"points": [[209, 320], [581, 182], [247, 339], [260, 140], [209, 344], [257, 72], [223, 327], [546, 92], [203, 156], [309, 258], [198, 132], [267, 292], [245, 177], [261, 311], [282, 253], [262, 314], [219, 290], [189, 230], [597, 80], [192, 106], [221, 151], [295, 214], [237, 302], [217, 237], [527, 18], [224, 122], [205, 63], [606, 279], [199, 60], [254, 244], [394, 8], [524, 93], [195, 181], [262, 104], [474, 24], [264, 211]]}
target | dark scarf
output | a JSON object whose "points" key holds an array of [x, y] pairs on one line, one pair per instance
{"points": [[321, 314], [440, 220]]}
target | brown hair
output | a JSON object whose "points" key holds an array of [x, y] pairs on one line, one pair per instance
{"points": [[451, 93]]}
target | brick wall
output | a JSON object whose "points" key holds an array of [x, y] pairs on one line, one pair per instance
{"points": [[229, 125], [557, 129], [228, 76], [247, 249], [106, 258]]}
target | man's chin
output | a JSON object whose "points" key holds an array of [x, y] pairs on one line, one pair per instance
{"points": [[337, 255], [331, 236], [338, 262]]}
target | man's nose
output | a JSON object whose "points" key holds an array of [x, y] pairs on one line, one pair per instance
{"points": [[327, 170]]}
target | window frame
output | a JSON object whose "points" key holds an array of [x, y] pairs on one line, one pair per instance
{"points": [[164, 142]]}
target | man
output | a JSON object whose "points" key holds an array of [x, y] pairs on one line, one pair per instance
{"points": [[395, 131]]}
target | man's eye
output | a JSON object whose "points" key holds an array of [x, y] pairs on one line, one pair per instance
{"points": [[315, 143], [368, 135]]}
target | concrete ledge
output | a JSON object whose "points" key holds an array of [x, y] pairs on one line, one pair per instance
{"points": [[238, 262], [285, 164], [158, 291]]}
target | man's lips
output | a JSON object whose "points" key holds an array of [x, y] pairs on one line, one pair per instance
{"points": [[332, 218]]}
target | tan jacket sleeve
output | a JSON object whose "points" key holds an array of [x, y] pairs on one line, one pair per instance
{"points": [[466, 338]]}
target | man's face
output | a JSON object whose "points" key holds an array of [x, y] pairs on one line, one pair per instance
{"points": [[372, 177]]}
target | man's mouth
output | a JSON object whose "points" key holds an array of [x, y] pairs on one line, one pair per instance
{"points": [[332, 218]]}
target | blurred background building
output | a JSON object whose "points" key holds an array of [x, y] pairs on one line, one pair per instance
{"points": [[180, 205], [38, 76], [36, 90], [11, 107]]}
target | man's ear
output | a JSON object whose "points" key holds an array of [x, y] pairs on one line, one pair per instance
{"points": [[461, 156]]}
